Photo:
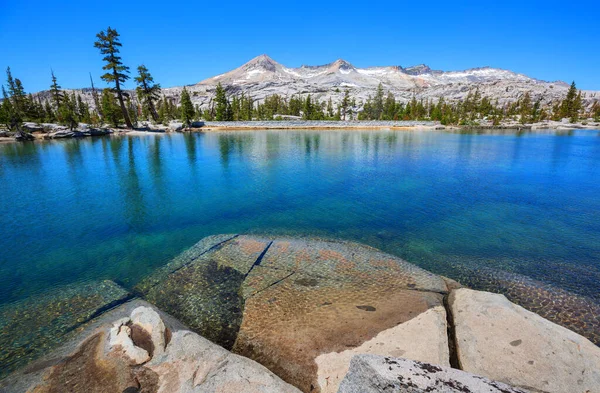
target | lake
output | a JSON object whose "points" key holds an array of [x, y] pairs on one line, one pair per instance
{"points": [[490, 209]]}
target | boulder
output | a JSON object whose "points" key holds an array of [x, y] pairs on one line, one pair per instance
{"points": [[503, 341], [175, 126], [285, 301], [122, 356], [423, 338], [378, 374]]}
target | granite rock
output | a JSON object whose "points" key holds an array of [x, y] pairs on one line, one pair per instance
{"points": [[503, 341], [378, 374]]}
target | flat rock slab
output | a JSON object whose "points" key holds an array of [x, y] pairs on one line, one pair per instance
{"points": [[503, 341], [378, 374], [285, 301], [137, 348], [32, 327]]}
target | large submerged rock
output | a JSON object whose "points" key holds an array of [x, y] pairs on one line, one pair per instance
{"points": [[285, 302], [503, 341]]}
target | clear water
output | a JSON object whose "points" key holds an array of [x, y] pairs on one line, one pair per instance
{"points": [[116, 208]]}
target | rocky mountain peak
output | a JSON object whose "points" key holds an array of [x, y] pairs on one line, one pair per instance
{"points": [[418, 69], [263, 62]]}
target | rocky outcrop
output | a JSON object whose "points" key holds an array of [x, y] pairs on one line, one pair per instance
{"points": [[377, 374], [503, 341], [143, 353], [284, 302]]}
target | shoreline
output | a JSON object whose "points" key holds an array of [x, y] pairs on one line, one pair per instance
{"points": [[57, 132]]}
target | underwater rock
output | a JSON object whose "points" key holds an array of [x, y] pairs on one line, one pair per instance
{"points": [[503, 341], [285, 301], [32, 327]]}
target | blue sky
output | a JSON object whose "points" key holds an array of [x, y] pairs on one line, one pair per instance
{"points": [[185, 42]]}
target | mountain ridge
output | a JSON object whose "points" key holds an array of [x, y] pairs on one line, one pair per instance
{"points": [[262, 76]]}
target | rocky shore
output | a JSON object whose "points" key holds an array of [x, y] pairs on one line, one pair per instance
{"points": [[35, 131], [239, 313]]}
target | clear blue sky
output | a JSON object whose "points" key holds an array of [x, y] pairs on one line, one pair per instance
{"points": [[185, 42]]}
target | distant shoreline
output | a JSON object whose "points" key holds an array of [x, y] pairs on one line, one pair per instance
{"points": [[52, 131]]}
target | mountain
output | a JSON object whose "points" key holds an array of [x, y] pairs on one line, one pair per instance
{"points": [[263, 76]]}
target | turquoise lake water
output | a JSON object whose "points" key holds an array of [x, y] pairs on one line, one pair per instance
{"points": [[116, 208]]}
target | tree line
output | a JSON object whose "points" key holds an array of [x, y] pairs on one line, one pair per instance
{"points": [[115, 106]]}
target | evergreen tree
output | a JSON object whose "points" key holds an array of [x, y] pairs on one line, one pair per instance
{"points": [[567, 107], [576, 108], [377, 109], [308, 109], [345, 104], [147, 91], [525, 108], [55, 91], [110, 109], [50, 116], [330, 113], [68, 111], [187, 108], [83, 110], [5, 109], [221, 103], [13, 113], [596, 111], [108, 43], [389, 107]]}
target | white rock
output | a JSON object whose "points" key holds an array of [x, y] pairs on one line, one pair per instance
{"points": [[150, 321], [120, 341], [505, 342], [422, 338]]}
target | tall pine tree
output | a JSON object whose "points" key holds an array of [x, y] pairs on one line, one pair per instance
{"points": [[187, 108], [108, 43], [147, 91], [221, 103]]}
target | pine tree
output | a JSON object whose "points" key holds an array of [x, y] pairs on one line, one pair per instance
{"points": [[14, 114], [83, 110], [308, 109], [187, 108], [5, 109], [110, 109], [567, 106], [576, 108], [330, 113], [55, 91], [221, 103], [525, 108], [68, 111], [377, 109], [50, 116], [345, 104], [108, 43], [389, 107], [147, 91]]}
